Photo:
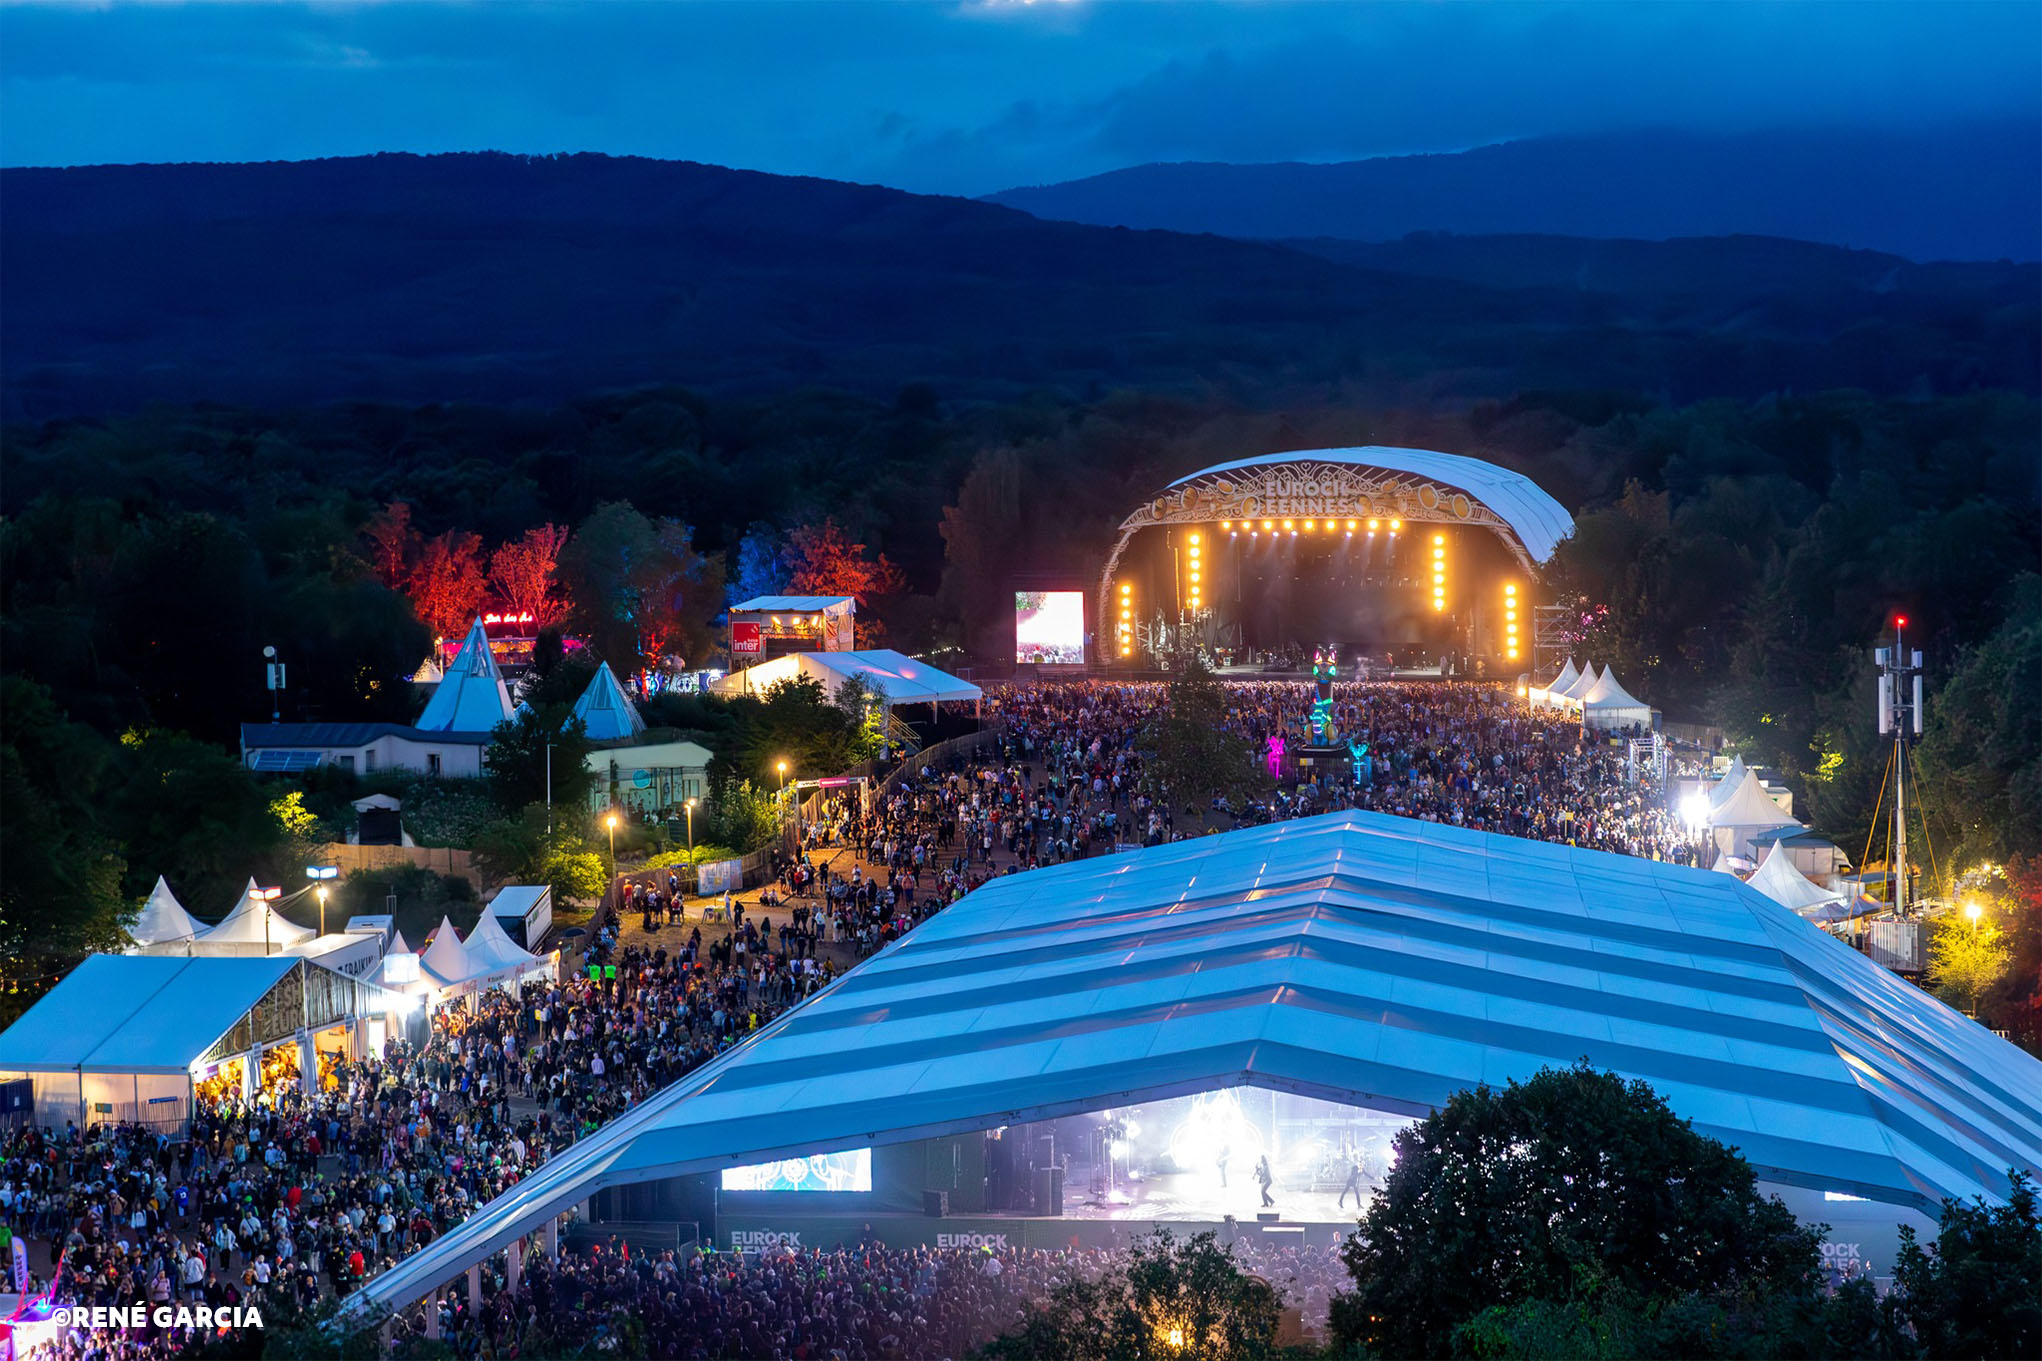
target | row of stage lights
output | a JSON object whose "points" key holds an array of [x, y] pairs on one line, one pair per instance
{"points": [[1510, 620], [1332, 526], [1125, 633], [1192, 576]]}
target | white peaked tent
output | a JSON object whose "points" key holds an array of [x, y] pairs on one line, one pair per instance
{"points": [[163, 920], [1607, 705], [605, 710], [472, 696], [1543, 694], [490, 944], [447, 961], [1749, 809], [254, 922], [1780, 881], [1727, 786], [1570, 697]]}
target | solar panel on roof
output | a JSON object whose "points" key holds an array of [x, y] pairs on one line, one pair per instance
{"points": [[286, 762]]}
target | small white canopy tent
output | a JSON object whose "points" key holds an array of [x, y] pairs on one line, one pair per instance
{"points": [[1727, 786], [1570, 696], [254, 923], [606, 711], [1749, 809], [1607, 706], [472, 696], [447, 961], [163, 920], [489, 944], [1543, 694], [1780, 881]]}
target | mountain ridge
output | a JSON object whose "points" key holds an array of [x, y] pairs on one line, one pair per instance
{"points": [[1972, 193], [486, 277]]}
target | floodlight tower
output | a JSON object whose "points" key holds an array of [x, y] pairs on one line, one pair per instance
{"points": [[1900, 715]]}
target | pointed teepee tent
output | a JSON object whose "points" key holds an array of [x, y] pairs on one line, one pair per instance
{"points": [[606, 710], [1780, 881], [163, 919], [471, 697]]}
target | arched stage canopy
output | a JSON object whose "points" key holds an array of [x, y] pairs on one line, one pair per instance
{"points": [[1417, 486], [1354, 957]]}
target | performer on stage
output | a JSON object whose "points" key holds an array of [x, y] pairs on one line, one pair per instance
{"points": [[1265, 1177], [1353, 1182]]}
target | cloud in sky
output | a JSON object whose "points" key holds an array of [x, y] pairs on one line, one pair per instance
{"points": [[972, 97]]}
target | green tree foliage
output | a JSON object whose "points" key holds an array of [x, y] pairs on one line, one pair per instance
{"points": [[1981, 753], [60, 875], [1572, 1181], [516, 762], [1163, 1300], [795, 721], [1978, 1292], [1186, 752], [195, 815], [741, 815], [520, 850], [1966, 958], [641, 592]]}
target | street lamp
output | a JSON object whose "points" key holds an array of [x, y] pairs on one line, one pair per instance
{"points": [[782, 768], [690, 807], [1973, 911], [610, 821], [319, 875]]}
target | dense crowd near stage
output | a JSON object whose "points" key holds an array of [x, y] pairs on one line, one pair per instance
{"points": [[310, 1196]]}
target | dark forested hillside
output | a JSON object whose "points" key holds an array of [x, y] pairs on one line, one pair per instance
{"points": [[491, 278]]}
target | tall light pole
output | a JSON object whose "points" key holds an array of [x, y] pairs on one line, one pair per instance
{"points": [[321, 893], [611, 822], [549, 789], [690, 809]]}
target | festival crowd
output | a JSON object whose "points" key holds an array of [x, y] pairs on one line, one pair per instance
{"points": [[311, 1195]]}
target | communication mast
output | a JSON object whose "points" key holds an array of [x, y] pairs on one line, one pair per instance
{"points": [[1899, 715]]}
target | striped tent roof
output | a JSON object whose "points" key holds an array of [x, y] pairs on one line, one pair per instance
{"points": [[1359, 958]]}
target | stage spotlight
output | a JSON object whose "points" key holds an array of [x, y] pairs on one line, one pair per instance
{"points": [[1269, 524], [1194, 538], [1226, 524], [1308, 526], [1396, 525], [1350, 524], [1375, 524], [1290, 524]]}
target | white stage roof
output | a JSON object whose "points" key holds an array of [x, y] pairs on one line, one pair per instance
{"points": [[1355, 957], [138, 1013], [1536, 518]]}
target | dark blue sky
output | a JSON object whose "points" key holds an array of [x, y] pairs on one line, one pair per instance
{"points": [[973, 97]]}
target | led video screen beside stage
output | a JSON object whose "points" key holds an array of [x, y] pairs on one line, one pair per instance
{"points": [[1049, 627], [848, 1171]]}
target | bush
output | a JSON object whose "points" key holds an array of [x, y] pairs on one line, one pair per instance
{"points": [[423, 897], [447, 812], [704, 855]]}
